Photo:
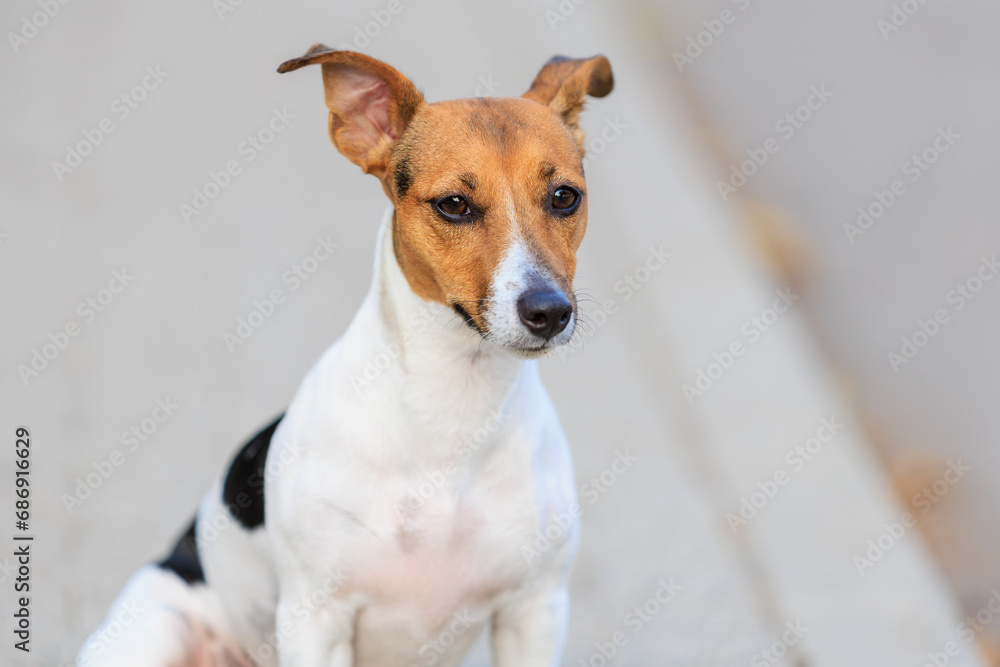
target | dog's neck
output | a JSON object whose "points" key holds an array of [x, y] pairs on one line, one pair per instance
{"points": [[419, 361]]}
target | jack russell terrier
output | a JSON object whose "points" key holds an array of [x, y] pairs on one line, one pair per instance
{"points": [[402, 514]]}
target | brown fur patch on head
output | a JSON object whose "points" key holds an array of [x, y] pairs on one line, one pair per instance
{"points": [[505, 157]]}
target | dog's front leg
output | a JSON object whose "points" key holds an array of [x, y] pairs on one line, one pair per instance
{"points": [[314, 636], [530, 629]]}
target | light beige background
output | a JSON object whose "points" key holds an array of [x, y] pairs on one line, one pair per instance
{"points": [[651, 185]]}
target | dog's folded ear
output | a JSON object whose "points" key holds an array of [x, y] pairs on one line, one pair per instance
{"points": [[564, 83], [370, 104]]}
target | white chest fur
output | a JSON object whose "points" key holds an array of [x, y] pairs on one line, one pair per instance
{"points": [[417, 488]]}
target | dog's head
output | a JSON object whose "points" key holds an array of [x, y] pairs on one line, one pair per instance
{"points": [[489, 193]]}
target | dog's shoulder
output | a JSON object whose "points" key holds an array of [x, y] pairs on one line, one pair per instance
{"points": [[243, 489]]}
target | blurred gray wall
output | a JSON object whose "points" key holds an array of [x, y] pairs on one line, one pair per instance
{"points": [[899, 72]]}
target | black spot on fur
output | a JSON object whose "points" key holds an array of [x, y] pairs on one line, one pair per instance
{"points": [[402, 178], [465, 316], [470, 180], [184, 560], [243, 492]]}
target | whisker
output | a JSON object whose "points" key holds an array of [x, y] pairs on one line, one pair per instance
{"points": [[584, 324], [585, 296]]}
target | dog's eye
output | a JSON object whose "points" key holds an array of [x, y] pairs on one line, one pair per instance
{"points": [[454, 206], [564, 198]]}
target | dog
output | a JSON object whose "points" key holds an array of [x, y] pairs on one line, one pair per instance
{"points": [[384, 521]]}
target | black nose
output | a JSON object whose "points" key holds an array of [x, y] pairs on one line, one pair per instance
{"points": [[544, 311]]}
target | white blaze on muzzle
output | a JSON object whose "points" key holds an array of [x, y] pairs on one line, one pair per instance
{"points": [[518, 275]]}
